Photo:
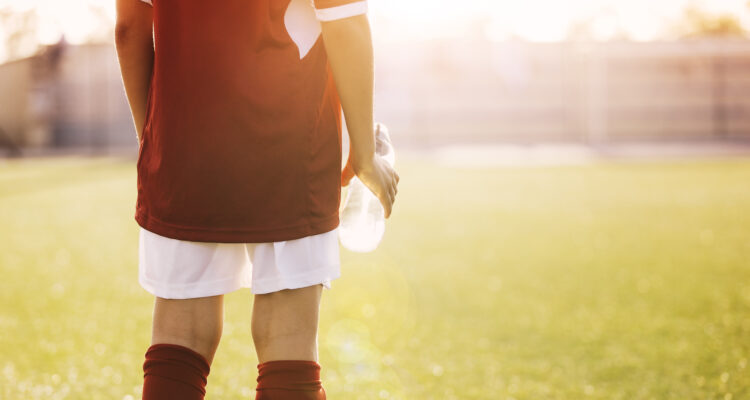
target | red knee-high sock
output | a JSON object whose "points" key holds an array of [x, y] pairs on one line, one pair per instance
{"points": [[289, 380], [174, 372]]}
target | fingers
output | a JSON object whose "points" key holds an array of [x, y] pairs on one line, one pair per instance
{"points": [[385, 186], [347, 174], [387, 202], [393, 188], [391, 196]]}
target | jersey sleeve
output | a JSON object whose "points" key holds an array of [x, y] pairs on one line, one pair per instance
{"points": [[329, 10]]}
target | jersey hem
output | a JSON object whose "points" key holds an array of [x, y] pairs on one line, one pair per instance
{"points": [[197, 234]]}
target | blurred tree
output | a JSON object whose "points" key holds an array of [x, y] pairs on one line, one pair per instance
{"points": [[580, 31], [603, 26], [698, 23], [19, 30], [102, 30], [18, 33]]}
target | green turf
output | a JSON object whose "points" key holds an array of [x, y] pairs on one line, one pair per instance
{"points": [[613, 281]]}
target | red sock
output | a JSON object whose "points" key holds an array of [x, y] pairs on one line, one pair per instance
{"points": [[289, 380], [174, 372]]}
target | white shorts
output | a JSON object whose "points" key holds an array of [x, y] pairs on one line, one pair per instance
{"points": [[177, 269]]}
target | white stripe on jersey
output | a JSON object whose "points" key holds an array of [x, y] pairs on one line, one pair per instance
{"points": [[339, 12], [301, 25]]}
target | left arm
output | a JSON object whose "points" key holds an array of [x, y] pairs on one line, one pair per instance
{"points": [[135, 52]]}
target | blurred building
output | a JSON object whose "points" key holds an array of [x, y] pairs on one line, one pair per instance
{"points": [[438, 92], [65, 97], [483, 91]]}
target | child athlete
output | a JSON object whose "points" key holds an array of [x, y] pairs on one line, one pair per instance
{"points": [[236, 105]]}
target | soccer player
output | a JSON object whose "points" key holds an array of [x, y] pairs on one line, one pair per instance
{"points": [[237, 106]]}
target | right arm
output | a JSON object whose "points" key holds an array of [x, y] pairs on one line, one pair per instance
{"points": [[348, 43], [135, 52]]}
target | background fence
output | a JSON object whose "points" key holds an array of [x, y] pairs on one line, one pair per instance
{"points": [[523, 92], [438, 92]]}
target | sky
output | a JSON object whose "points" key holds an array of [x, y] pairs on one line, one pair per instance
{"points": [[547, 20], [534, 20]]}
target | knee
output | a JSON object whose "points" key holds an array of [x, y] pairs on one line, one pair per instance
{"points": [[285, 343], [285, 325], [281, 317], [203, 341], [195, 323], [208, 337], [197, 334], [275, 331]]}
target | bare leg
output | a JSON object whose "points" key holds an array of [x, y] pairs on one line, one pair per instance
{"points": [[285, 324], [193, 323]]}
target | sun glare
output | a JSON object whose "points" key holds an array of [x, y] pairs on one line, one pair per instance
{"points": [[543, 20], [534, 20]]}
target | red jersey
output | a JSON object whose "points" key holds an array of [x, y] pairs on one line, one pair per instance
{"points": [[242, 139]]}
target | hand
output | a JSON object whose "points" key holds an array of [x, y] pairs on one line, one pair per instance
{"points": [[377, 175]]}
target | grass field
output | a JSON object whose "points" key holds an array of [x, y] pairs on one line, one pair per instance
{"points": [[610, 281]]}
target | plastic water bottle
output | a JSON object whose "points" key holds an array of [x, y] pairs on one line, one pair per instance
{"points": [[362, 223]]}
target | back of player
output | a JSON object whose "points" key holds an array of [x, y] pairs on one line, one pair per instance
{"points": [[237, 109]]}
